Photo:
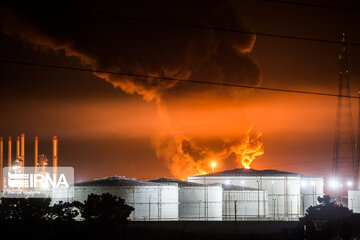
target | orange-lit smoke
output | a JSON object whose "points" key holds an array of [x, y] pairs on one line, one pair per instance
{"points": [[248, 148], [186, 157], [160, 51]]}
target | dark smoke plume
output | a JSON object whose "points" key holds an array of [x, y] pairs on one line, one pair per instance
{"points": [[93, 32]]}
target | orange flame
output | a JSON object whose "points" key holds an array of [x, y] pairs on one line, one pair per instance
{"points": [[251, 147], [186, 157]]}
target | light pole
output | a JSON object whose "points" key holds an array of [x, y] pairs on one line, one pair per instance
{"points": [[314, 185], [303, 204], [150, 208], [199, 210], [274, 207], [258, 208], [243, 195], [235, 208]]}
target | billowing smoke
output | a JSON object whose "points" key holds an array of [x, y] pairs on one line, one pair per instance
{"points": [[93, 32], [187, 157]]}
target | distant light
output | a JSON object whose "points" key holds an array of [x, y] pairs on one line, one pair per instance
{"points": [[349, 184], [313, 183], [272, 182], [333, 184], [227, 182], [303, 183], [341, 185], [242, 181], [213, 165]]}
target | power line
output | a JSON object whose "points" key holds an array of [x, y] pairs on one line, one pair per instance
{"points": [[312, 5], [222, 29], [188, 81]]}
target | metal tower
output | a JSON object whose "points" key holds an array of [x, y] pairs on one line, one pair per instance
{"points": [[345, 162]]}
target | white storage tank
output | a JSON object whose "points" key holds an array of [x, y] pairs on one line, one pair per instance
{"points": [[197, 202], [283, 188], [243, 204], [354, 200], [310, 189], [152, 201]]}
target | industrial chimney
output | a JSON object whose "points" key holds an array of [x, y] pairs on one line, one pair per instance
{"points": [[17, 147], [9, 154], [23, 148], [55, 142], [36, 153]]}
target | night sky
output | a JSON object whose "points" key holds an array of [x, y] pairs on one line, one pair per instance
{"points": [[145, 128]]}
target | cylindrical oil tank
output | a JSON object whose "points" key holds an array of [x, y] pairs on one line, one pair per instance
{"points": [[198, 202], [152, 201], [310, 188], [244, 204], [354, 200], [283, 188]]}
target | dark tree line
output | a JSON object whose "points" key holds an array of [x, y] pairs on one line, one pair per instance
{"points": [[329, 220], [101, 208]]}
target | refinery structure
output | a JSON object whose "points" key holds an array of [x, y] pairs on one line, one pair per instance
{"points": [[16, 165], [241, 194]]}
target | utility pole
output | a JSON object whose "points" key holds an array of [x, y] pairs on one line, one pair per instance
{"points": [[235, 210], [150, 208], [258, 202]]}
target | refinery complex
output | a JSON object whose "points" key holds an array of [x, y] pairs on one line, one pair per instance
{"points": [[240, 194]]}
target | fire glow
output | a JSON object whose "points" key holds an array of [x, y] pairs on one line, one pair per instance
{"points": [[201, 55], [187, 157]]}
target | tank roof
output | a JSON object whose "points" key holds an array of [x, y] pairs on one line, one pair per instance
{"points": [[249, 172], [182, 183], [238, 188], [117, 181]]}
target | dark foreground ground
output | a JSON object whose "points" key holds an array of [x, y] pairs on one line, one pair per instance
{"points": [[153, 230]]}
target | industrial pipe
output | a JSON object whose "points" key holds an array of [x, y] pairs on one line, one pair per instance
{"points": [[55, 142], [36, 153], [23, 148], [17, 147], [9, 154]]}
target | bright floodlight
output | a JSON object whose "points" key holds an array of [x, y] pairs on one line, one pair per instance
{"points": [[227, 182], [213, 165], [333, 184], [303, 183], [349, 184], [242, 181]]}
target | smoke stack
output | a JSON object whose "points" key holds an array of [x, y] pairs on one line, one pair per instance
{"points": [[1, 161], [9, 155], [23, 148], [17, 147], [36, 153], [55, 142]]}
